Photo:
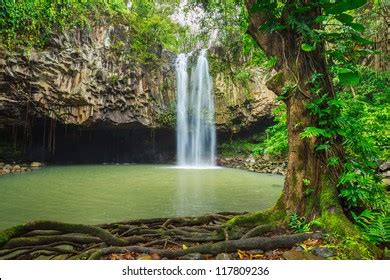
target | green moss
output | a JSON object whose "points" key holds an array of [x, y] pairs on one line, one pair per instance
{"points": [[167, 118], [113, 78], [9, 233], [256, 218], [31, 23], [351, 247], [337, 224], [345, 237], [276, 82], [242, 146]]}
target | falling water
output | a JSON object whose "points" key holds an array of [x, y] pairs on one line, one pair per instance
{"points": [[196, 136], [182, 131]]}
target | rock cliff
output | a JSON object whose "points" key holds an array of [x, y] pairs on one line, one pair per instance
{"points": [[81, 78]]}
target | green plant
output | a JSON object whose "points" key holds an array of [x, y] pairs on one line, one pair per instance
{"points": [[113, 78], [167, 118], [361, 188], [298, 224], [276, 142], [243, 76], [239, 147], [10, 152], [360, 118], [375, 225], [349, 247], [152, 30], [31, 23]]}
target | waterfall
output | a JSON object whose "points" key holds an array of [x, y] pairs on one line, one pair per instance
{"points": [[196, 136], [182, 131]]}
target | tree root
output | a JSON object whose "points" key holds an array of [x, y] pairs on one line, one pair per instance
{"points": [[208, 234], [260, 230], [43, 240], [262, 243], [42, 233], [5, 252], [104, 235], [43, 248]]}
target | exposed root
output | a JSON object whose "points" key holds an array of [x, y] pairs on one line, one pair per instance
{"points": [[52, 250], [43, 240], [102, 234], [263, 243], [208, 234], [260, 230]]}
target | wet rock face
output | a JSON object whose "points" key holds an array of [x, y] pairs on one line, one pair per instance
{"points": [[241, 106], [82, 79]]}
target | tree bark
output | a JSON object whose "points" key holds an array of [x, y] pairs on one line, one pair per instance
{"points": [[308, 175]]}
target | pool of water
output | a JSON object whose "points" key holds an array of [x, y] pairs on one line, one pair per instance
{"points": [[94, 194]]}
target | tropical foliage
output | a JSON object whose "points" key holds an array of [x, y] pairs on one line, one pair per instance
{"points": [[356, 114], [32, 23]]}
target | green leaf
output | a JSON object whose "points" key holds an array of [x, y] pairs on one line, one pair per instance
{"points": [[264, 5], [320, 19], [361, 40], [278, 27], [310, 132], [322, 147], [341, 6], [307, 48], [344, 18], [357, 26], [342, 70], [349, 78]]}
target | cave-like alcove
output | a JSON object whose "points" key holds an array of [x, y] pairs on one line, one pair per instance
{"points": [[58, 143]]}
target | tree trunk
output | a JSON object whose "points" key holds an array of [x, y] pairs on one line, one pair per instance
{"points": [[308, 176], [382, 38]]}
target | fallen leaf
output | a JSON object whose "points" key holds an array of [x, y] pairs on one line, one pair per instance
{"points": [[155, 256]]}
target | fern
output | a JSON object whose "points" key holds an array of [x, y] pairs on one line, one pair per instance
{"points": [[298, 224], [310, 132], [375, 225]]}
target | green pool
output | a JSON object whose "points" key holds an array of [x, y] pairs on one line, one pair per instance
{"points": [[94, 194]]}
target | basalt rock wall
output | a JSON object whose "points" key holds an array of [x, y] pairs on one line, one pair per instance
{"points": [[82, 79]]}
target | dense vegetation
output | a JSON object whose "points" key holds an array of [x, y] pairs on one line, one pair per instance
{"points": [[357, 112], [342, 120], [32, 23]]}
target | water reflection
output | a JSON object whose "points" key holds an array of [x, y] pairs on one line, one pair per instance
{"points": [[195, 192], [105, 193]]}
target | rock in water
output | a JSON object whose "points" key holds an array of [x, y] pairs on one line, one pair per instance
{"points": [[35, 164]]}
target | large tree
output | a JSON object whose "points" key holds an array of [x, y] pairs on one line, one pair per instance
{"points": [[291, 31]]}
